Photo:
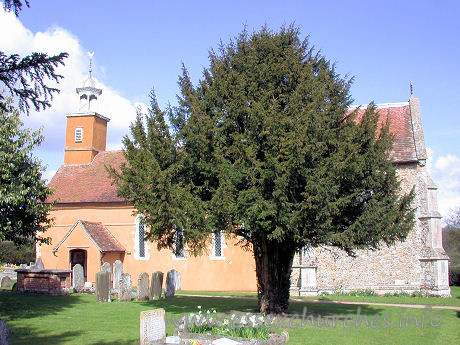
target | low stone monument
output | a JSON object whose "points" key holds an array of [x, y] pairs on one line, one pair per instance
{"points": [[156, 285], [143, 287], [117, 272], [78, 278], [170, 284], [124, 288], [152, 326], [103, 286], [4, 334], [6, 282]]}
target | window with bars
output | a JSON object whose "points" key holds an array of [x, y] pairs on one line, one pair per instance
{"points": [[217, 244], [78, 134], [141, 235], [179, 245]]}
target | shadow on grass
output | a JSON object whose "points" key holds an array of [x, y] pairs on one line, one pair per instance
{"points": [[29, 335], [182, 305], [22, 306]]}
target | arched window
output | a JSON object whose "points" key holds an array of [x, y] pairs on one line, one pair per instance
{"points": [[140, 245], [179, 244], [218, 245]]}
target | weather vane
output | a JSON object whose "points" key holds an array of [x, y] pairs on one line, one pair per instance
{"points": [[411, 89], [90, 54]]}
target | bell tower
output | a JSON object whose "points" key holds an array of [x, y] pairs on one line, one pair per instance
{"points": [[86, 129]]}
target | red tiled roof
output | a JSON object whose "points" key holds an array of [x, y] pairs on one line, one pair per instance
{"points": [[87, 182], [102, 237], [91, 183], [99, 234], [401, 127]]}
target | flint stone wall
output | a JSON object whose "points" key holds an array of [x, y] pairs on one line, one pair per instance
{"points": [[418, 263]]}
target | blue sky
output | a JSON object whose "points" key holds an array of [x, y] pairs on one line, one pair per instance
{"points": [[141, 44]]}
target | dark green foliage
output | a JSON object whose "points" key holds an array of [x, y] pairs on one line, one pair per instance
{"points": [[23, 211], [14, 5], [12, 254], [265, 148], [454, 275], [25, 78], [451, 244]]}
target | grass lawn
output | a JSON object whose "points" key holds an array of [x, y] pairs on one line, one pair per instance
{"points": [[78, 319], [453, 301]]}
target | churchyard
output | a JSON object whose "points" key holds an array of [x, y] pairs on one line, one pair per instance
{"points": [[79, 319]]}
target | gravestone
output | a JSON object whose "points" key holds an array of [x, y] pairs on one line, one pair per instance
{"points": [[152, 326], [143, 287], [78, 278], [156, 285], [117, 272], [4, 334], [124, 288], [6, 282], [38, 266], [178, 279], [106, 267], [103, 286], [170, 284]]}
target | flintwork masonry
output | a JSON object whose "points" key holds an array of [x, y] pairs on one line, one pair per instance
{"points": [[418, 263]]}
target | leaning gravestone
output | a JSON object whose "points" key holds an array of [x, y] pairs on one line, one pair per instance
{"points": [[4, 334], [124, 288], [103, 286], [78, 278], [156, 285], [143, 287], [6, 282], [170, 284], [152, 327], [117, 272]]}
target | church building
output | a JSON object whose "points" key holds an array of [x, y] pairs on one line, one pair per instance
{"points": [[93, 225]]}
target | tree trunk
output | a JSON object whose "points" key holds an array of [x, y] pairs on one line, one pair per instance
{"points": [[273, 268]]}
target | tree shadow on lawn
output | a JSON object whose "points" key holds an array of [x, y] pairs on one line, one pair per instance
{"points": [[35, 335], [24, 306], [184, 304]]}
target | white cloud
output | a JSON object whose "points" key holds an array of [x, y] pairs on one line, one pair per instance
{"points": [[445, 171], [54, 40]]}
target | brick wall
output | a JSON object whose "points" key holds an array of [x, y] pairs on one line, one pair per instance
{"points": [[49, 282]]}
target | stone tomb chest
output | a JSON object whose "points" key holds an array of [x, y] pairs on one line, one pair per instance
{"points": [[48, 282]]}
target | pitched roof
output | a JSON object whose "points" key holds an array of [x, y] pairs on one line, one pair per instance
{"points": [[99, 234], [401, 127], [90, 182], [87, 182]]}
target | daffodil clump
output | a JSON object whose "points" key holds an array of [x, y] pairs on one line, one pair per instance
{"points": [[235, 325]]}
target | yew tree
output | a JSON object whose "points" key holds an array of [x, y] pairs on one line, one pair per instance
{"points": [[265, 148]]}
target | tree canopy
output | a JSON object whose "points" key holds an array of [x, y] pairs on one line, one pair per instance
{"points": [[23, 211], [25, 78], [265, 147], [451, 238]]}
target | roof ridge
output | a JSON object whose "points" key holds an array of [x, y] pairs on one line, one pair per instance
{"points": [[381, 105]]}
